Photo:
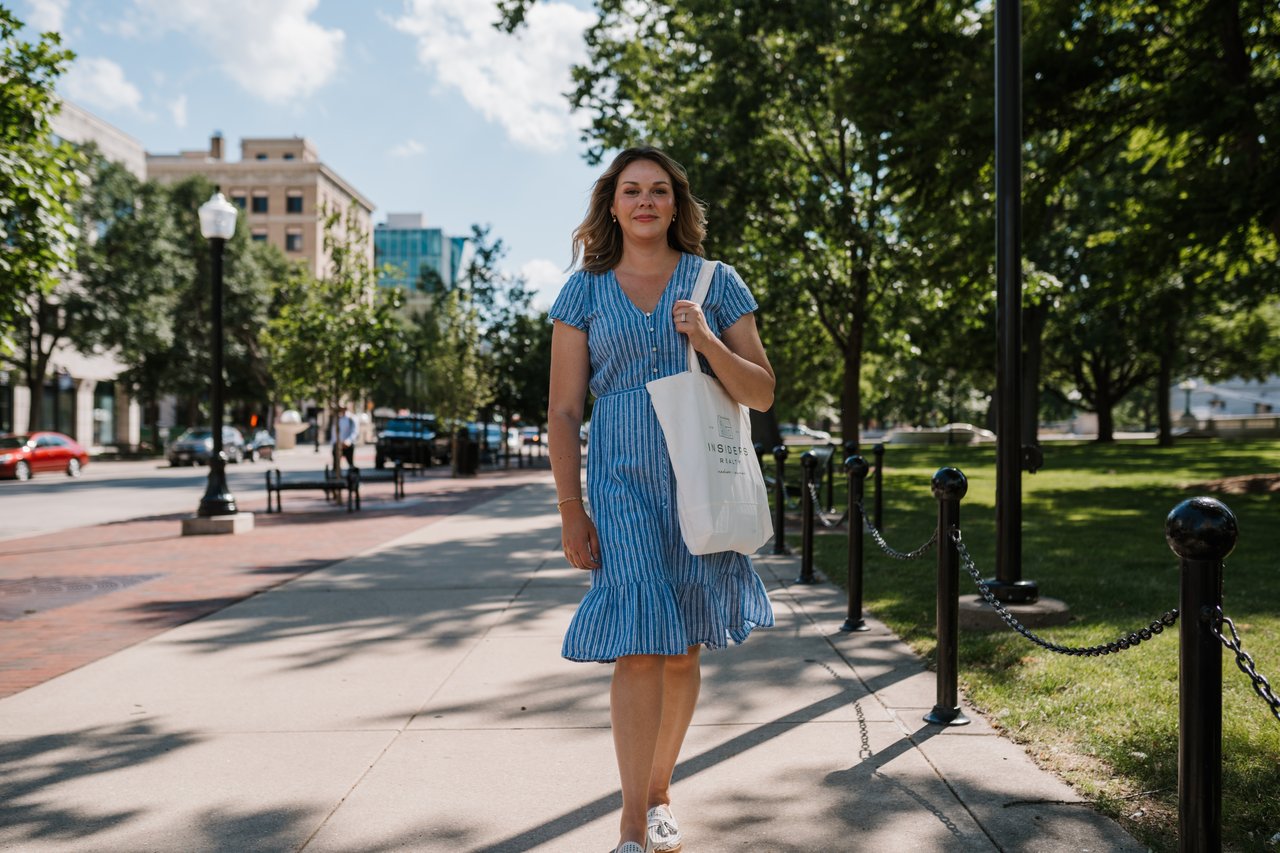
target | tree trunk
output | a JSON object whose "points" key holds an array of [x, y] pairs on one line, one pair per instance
{"points": [[1106, 422], [851, 391], [152, 417], [851, 395], [1164, 377], [36, 364], [35, 390], [335, 444]]}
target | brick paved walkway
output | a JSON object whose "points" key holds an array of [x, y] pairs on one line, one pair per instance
{"points": [[156, 579]]}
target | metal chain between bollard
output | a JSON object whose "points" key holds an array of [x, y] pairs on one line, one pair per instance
{"points": [[819, 514], [1128, 641], [1245, 662], [887, 548]]}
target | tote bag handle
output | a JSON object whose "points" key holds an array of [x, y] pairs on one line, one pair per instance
{"points": [[700, 288]]}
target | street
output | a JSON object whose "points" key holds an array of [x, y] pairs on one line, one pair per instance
{"points": [[119, 491]]}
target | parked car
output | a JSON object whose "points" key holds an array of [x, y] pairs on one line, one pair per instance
{"points": [[195, 446], [261, 446], [530, 435], [21, 456], [411, 438], [801, 434], [948, 434]]}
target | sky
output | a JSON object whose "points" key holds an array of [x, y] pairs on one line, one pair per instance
{"points": [[419, 104]]}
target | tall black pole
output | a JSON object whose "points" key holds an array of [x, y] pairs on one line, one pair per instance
{"points": [[217, 499], [1008, 584]]}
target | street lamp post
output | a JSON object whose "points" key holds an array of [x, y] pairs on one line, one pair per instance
{"points": [[1187, 385], [217, 224]]}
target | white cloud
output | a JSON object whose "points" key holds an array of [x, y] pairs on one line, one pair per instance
{"points": [[178, 110], [272, 49], [408, 148], [46, 16], [518, 81], [99, 83], [545, 279]]}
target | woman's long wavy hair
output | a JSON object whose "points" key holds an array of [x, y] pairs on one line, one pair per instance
{"points": [[597, 242]]}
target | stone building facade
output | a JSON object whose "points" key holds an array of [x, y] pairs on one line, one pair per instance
{"points": [[282, 188]]}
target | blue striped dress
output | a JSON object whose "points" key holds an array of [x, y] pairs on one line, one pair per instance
{"points": [[650, 595]]}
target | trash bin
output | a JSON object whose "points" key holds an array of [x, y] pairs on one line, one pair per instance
{"points": [[466, 455]]}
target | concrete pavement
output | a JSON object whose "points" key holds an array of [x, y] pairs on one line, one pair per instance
{"points": [[412, 698]]}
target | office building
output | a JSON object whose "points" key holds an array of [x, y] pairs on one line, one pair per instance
{"points": [[414, 257]]}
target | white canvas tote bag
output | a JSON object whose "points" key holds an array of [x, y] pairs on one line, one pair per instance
{"points": [[720, 492]]}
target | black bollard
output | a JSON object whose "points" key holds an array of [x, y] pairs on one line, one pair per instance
{"points": [[831, 479], [809, 467], [949, 486], [856, 467], [878, 451], [780, 501], [1202, 532]]}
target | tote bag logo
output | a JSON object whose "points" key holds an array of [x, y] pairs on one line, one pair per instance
{"points": [[727, 429]]}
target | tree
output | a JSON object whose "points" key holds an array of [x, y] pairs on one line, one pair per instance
{"points": [[456, 373], [132, 271], [517, 341], [39, 180], [770, 108], [336, 334], [72, 312], [1166, 104], [846, 153]]}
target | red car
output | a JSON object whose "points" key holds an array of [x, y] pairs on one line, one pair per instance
{"points": [[23, 455]]}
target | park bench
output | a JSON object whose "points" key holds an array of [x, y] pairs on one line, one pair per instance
{"points": [[394, 475], [331, 485]]}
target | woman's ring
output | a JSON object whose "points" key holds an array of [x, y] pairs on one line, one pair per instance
{"points": [[683, 316]]}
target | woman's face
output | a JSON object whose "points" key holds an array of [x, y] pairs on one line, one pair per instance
{"points": [[644, 201]]}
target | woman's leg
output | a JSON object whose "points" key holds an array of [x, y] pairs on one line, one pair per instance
{"points": [[681, 681], [635, 700]]}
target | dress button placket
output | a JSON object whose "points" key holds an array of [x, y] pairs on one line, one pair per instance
{"points": [[649, 315]]}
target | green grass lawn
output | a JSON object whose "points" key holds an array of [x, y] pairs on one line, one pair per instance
{"points": [[1093, 536]]}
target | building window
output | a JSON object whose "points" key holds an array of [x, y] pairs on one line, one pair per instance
{"points": [[259, 236], [288, 155], [260, 157], [293, 204], [238, 200], [259, 204], [293, 241]]}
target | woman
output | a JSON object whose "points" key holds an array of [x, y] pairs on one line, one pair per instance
{"points": [[622, 320]]}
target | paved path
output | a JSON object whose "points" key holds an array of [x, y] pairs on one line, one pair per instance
{"points": [[411, 697]]}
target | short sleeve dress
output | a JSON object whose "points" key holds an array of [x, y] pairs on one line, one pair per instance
{"points": [[650, 595]]}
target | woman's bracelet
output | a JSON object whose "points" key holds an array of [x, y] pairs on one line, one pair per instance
{"points": [[567, 500]]}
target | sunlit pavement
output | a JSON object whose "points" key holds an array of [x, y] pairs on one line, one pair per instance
{"points": [[391, 680]]}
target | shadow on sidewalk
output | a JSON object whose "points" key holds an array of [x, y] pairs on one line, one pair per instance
{"points": [[31, 767]]}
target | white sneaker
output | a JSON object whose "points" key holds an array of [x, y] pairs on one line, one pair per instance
{"points": [[633, 847], [664, 832]]}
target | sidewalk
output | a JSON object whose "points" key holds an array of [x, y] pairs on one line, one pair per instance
{"points": [[412, 698]]}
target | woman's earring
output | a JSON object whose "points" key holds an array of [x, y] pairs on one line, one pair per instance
{"points": [[615, 218]]}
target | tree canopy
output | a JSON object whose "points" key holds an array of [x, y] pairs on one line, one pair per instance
{"points": [[39, 176]]}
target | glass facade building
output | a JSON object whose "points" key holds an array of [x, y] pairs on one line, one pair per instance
{"points": [[411, 256]]}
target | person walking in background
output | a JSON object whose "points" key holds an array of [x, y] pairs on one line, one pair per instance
{"points": [[345, 439], [623, 319]]}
